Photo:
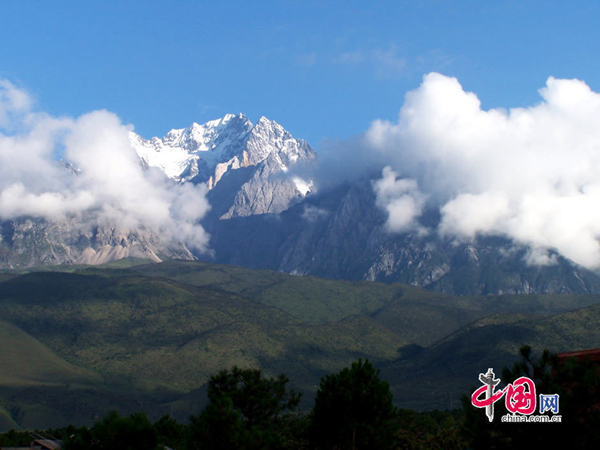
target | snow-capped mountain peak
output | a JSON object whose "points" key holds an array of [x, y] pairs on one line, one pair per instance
{"points": [[206, 137], [204, 153]]}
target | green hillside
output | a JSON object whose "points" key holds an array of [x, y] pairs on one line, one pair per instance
{"points": [[432, 377], [148, 336], [416, 315], [308, 299], [6, 421], [178, 335], [39, 389], [27, 362]]}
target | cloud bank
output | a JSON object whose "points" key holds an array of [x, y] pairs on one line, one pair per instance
{"points": [[530, 174], [110, 188]]}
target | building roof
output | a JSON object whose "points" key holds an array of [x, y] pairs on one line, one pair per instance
{"points": [[46, 444], [581, 355]]}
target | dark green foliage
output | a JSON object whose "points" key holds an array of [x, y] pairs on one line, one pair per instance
{"points": [[429, 431], [218, 427], [14, 438], [354, 410], [244, 411], [171, 433], [294, 429], [114, 432], [414, 431], [258, 399]]}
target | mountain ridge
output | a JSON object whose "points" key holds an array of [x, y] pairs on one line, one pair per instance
{"points": [[204, 153], [342, 234], [264, 215]]}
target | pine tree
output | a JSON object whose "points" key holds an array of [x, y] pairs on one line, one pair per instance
{"points": [[243, 412], [354, 410]]}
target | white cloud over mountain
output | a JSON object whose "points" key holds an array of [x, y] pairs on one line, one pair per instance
{"points": [[110, 187], [532, 174]]}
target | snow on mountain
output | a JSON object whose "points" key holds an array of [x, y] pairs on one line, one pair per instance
{"points": [[247, 167], [204, 153]]}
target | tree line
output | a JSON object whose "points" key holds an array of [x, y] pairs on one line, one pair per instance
{"points": [[353, 410]]}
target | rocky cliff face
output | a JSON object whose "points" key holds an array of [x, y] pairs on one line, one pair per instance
{"points": [[246, 167], [28, 242], [341, 234], [255, 158]]}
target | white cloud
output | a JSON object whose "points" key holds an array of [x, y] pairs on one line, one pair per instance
{"points": [[532, 174], [16, 201], [402, 200], [111, 187], [13, 101]]}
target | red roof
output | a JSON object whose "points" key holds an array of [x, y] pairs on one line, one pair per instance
{"points": [[581, 355]]}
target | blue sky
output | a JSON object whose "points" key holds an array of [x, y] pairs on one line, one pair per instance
{"points": [[323, 69]]}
